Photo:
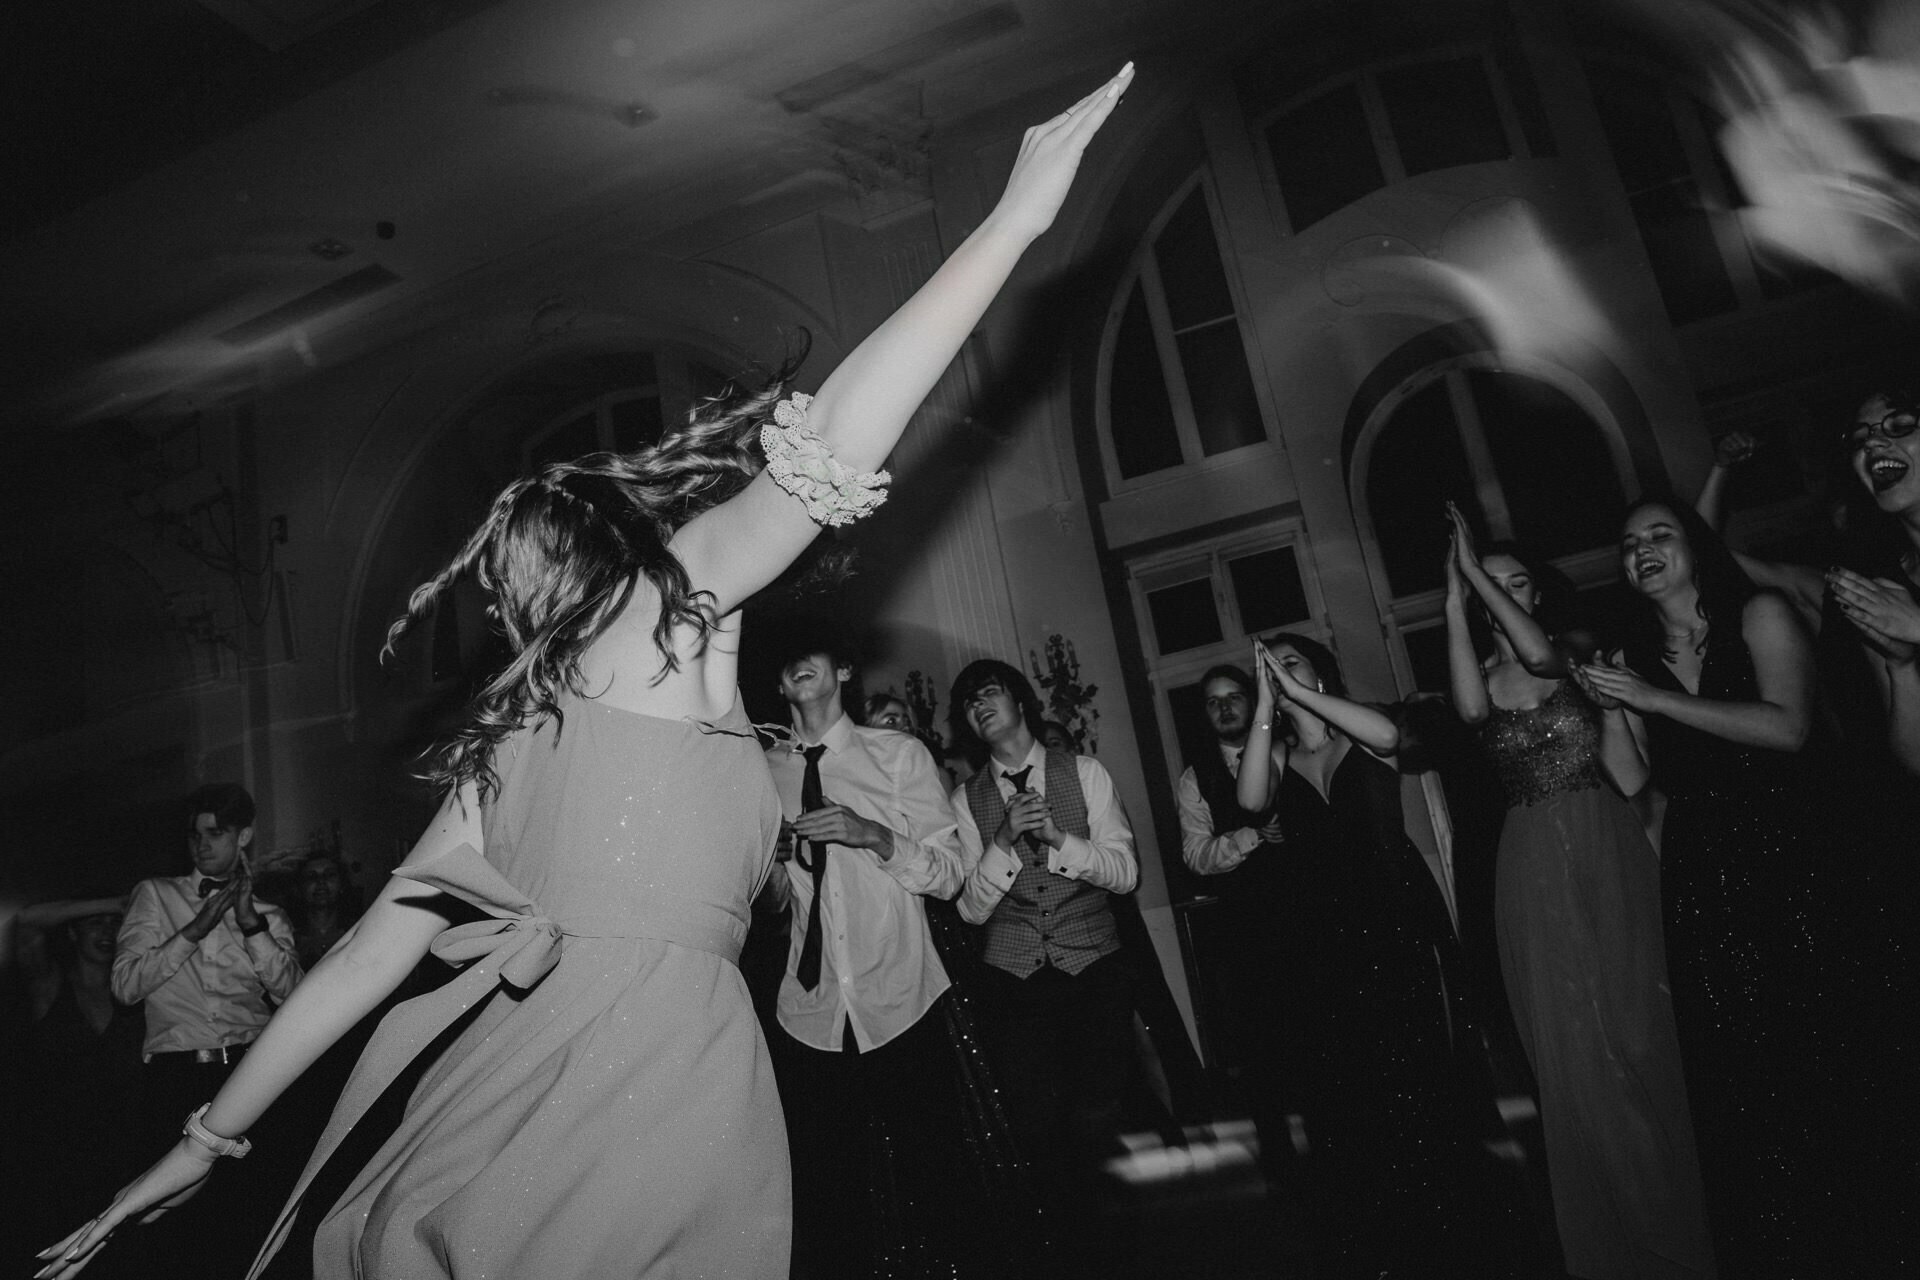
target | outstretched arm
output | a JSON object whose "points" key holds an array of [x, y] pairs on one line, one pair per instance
{"points": [[860, 411], [364, 967]]}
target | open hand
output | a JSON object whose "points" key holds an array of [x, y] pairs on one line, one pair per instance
{"points": [[1464, 553], [212, 907], [1878, 605], [1594, 695], [1050, 155], [1287, 687], [1618, 683], [246, 914], [176, 1179]]}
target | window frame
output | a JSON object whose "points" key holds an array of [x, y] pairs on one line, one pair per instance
{"points": [[1143, 270], [1420, 610]]}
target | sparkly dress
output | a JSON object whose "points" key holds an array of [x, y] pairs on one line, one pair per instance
{"points": [[1765, 984], [1577, 914], [1396, 1121], [600, 1102]]}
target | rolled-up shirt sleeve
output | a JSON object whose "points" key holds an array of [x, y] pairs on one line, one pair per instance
{"points": [[926, 843], [1205, 853], [275, 957], [149, 949]]}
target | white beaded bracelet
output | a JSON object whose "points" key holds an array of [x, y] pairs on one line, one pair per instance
{"points": [[235, 1147]]}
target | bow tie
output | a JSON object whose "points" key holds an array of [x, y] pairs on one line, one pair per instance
{"points": [[208, 886]]}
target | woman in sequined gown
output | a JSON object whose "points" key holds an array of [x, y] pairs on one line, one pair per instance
{"points": [[1577, 915], [1399, 1180], [601, 1103], [1711, 700]]}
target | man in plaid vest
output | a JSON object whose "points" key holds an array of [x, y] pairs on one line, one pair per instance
{"points": [[1056, 843]]}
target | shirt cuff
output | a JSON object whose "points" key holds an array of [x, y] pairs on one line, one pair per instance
{"points": [[999, 866], [1072, 858]]}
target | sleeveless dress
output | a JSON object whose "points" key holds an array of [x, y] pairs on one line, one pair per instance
{"points": [[1768, 977], [1395, 1122], [1577, 914], [606, 1106]]}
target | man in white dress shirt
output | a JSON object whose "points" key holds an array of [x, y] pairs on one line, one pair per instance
{"points": [[866, 1067], [211, 962], [1057, 989]]}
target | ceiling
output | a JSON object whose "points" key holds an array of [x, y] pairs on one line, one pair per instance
{"points": [[179, 160]]}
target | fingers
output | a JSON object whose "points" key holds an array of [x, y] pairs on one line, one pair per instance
{"points": [[76, 1251]]}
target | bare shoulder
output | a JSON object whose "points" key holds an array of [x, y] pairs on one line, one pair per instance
{"points": [[1770, 618]]}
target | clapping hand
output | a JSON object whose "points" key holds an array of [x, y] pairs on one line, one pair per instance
{"points": [[1881, 609], [176, 1179], [1611, 685], [245, 913], [1587, 687], [1287, 687], [1028, 812]]}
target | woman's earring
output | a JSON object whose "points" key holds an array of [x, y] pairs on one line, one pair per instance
{"points": [[1320, 686]]}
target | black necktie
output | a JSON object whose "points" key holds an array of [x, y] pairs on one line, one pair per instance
{"points": [[1018, 777], [211, 886], [811, 798]]}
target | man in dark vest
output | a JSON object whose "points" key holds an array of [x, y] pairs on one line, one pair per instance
{"points": [[1044, 840], [1241, 855]]}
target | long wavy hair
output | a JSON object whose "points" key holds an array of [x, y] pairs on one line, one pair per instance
{"points": [[561, 551], [1723, 585]]}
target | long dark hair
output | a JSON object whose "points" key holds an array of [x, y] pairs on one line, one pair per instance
{"points": [[561, 550], [1723, 585], [1557, 610]]}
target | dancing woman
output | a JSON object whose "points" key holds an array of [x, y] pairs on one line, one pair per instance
{"points": [[1403, 1184], [1577, 914], [603, 1103], [1712, 700]]}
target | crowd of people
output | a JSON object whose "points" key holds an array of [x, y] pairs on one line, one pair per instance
{"points": [[965, 1012]]}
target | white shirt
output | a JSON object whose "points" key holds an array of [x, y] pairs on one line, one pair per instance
{"points": [[1205, 853], [879, 971], [1103, 858], [202, 995]]}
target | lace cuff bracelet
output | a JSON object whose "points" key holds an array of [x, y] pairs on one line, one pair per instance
{"points": [[801, 463], [235, 1147]]}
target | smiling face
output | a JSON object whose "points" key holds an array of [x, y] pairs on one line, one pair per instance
{"points": [[94, 937], [216, 849], [1228, 710], [320, 883], [1513, 578], [812, 679], [1884, 452], [1655, 555]]}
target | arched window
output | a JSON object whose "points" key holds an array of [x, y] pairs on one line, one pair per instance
{"points": [[1519, 454], [1176, 389]]}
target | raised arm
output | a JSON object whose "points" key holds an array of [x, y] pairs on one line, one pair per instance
{"points": [[364, 967], [1471, 701], [1782, 716], [1255, 783], [1368, 726], [1530, 642], [861, 409]]}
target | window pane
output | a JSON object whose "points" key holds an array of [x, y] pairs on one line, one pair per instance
{"points": [[1184, 617], [1324, 155], [1663, 193], [1417, 464], [1220, 387], [568, 441], [636, 423], [1190, 273], [1443, 114], [1552, 462], [1139, 412], [1524, 94], [1268, 590], [1427, 655]]}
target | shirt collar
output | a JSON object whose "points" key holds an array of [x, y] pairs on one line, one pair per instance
{"points": [[837, 737], [1036, 757]]}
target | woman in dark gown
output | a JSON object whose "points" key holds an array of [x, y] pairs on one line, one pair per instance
{"points": [[1712, 702], [1402, 1182], [1577, 912]]}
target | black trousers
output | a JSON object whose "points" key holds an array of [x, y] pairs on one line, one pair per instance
{"points": [[876, 1139]]}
